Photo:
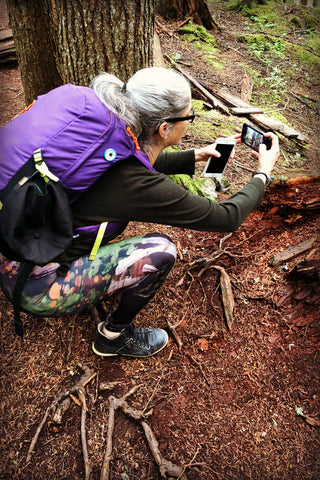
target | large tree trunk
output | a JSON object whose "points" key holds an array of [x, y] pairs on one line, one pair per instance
{"points": [[30, 23], [61, 41], [116, 37], [198, 9]]}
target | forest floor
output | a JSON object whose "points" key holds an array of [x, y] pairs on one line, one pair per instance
{"points": [[240, 403]]}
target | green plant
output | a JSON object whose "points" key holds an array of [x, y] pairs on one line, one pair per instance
{"points": [[275, 79]]}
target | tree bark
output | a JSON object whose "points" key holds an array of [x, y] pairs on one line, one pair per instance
{"points": [[30, 23], [114, 36], [61, 41], [197, 9]]}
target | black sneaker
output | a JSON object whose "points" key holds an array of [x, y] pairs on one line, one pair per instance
{"points": [[132, 342]]}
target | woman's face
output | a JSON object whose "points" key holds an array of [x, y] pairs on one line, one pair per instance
{"points": [[177, 131]]}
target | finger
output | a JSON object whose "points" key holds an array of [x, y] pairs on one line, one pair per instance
{"points": [[262, 148]]}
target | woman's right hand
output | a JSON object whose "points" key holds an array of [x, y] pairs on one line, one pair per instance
{"points": [[268, 158]]}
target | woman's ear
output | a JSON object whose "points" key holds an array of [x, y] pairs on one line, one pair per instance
{"points": [[163, 130]]}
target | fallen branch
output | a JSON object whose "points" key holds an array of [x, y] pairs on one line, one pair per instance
{"points": [[267, 123], [216, 103]]}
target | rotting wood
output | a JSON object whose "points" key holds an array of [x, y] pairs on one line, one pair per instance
{"points": [[216, 102], [227, 295], [292, 252], [245, 110], [265, 122]]}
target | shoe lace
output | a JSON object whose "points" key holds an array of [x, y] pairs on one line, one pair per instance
{"points": [[137, 337]]}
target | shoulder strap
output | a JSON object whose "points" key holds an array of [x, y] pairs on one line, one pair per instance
{"points": [[26, 269]]}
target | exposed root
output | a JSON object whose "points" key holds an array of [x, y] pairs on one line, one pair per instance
{"points": [[166, 468]]}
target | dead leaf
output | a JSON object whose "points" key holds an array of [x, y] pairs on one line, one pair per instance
{"points": [[313, 421]]}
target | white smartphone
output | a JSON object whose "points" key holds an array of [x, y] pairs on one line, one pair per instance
{"points": [[216, 165]]}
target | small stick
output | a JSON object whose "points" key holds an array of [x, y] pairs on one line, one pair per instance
{"points": [[173, 329], [86, 377], [87, 468], [36, 436]]}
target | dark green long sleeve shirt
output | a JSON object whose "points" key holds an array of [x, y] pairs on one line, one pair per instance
{"points": [[131, 192]]}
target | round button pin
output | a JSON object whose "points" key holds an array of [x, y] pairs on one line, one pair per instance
{"points": [[110, 154]]}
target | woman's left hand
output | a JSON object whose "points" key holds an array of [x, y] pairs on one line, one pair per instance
{"points": [[202, 154]]}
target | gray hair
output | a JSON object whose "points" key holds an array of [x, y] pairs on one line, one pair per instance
{"points": [[150, 95]]}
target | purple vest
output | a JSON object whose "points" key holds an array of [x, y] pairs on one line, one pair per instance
{"points": [[79, 136]]}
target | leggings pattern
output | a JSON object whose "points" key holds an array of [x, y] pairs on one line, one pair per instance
{"points": [[131, 271]]}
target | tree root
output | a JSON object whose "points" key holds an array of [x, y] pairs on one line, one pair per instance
{"points": [[59, 405], [62, 402], [166, 468]]}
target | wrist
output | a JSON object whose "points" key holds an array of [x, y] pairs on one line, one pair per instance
{"points": [[265, 177]]}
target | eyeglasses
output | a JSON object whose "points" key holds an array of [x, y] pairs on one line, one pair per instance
{"points": [[188, 118]]}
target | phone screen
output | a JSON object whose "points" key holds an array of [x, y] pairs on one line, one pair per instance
{"points": [[253, 138], [217, 164]]}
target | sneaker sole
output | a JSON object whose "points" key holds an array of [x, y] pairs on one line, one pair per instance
{"points": [[128, 355]]}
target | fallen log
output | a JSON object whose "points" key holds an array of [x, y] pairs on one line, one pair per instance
{"points": [[230, 102], [7, 47], [245, 110], [292, 252], [265, 122], [216, 103]]}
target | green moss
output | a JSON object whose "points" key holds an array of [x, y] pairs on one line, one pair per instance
{"points": [[215, 62], [259, 44], [194, 32], [210, 124], [306, 60], [197, 185]]}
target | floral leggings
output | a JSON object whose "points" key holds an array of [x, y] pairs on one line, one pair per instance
{"points": [[131, 271]]}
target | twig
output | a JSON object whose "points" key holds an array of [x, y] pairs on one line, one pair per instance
{"points": [[238, 164], [154, 391], [201, 369], [190, 463], [173, 330], [36, 435], [223, 239], [71, 325], [85, 378], [87, 468]]}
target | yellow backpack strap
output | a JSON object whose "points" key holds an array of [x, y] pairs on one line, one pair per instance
{"points": [[42, 167], [98, 240]]}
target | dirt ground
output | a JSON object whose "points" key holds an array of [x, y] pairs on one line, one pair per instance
{"points": [[229, 404]]}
